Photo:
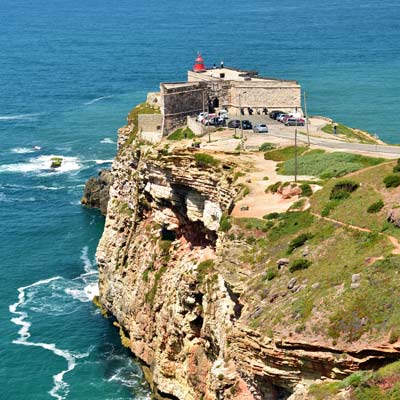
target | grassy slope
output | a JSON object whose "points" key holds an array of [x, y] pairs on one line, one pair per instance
{"points": [[327, 307], [349, 133], [354, 209]]}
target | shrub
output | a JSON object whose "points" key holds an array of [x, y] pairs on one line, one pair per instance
{"points": [[396, 168], [274, 187], [297, 205], [205, 160], [299, 264], [273, 215], [392, 181], [306, 190], [180, 134], [375, 207], [225, 223], [298, 241], [165, 245], [203, 269], [343, 189], [329, 207], [266, 147], [270, 274]]}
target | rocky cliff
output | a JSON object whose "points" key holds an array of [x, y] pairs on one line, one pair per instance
{"points": [[97, 191], [183, 295]]}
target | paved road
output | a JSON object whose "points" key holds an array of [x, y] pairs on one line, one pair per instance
{"points": [[287, 132]]}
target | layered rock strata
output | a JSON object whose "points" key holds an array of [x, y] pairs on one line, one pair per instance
{"points": [[161, 261], [97, 191]]}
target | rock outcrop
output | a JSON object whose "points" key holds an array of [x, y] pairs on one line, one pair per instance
{"points": [[163, 276], [97, 191]]}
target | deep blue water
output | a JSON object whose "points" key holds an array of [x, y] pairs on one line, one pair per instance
{"points": [[69, 73]]}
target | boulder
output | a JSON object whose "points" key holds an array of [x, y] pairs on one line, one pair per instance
{"points": [[97, 191], [394, 216]]}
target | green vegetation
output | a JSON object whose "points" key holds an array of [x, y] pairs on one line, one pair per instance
{"points": [[133, 117], [349, 133], [298, 241], [266, 146], [396, 168], [392, 181], [306, 190], [253, 224], [273, 188], [237, 175], [343, 189], [297, 205], [273, 215], [205, 160], [204, 269], [182, 133], [284, 154], [375, 207], [270, 274], [327, 165], [290, 223], [225, 223], [56, 162], [384, 384], [299, 264], [353, 210], [150, 296]]}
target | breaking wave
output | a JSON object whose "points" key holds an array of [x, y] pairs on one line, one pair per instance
{"points": [[98, 99]]}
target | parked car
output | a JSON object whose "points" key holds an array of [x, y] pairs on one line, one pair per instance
{"points": [[260, 128], [201, 116], [295, 122], [247, 124], [234, 123], [273, 114], [280, 117]]}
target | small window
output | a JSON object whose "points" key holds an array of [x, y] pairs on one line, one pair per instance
{"points": [[222, 75]]}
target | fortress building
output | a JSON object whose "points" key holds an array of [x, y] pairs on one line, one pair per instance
{"points": [[210, 89]]}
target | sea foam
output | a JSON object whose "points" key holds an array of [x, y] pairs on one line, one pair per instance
{"points": [[42, 164]]}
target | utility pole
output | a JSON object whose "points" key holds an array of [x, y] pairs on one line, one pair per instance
{"points": [[241, 122], [305, 110], [202, 125], [295, 154]]}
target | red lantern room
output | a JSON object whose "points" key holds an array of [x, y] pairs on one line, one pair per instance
{"points": [[199, 64]]}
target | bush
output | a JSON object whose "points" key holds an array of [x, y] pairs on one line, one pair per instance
{"points": [[343, 189], [329, 207], [204, 269], [328, 165], [299, 264], [392, 181], [306, 190], [273, 215], [274, 187], [266, 147], [375, 207], [180, 134], [270, 274], [205, 160], [225, 223], [298, 241]]}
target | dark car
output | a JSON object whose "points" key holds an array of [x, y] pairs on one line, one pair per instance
{"points": [[247, 124], [274, 114], [234, 123]]}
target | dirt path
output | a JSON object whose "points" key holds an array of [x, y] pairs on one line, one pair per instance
{"points": [[391, 239]]}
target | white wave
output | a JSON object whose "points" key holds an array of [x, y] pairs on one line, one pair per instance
{"points": [[23, 150], [87, 264], [60, 386], [42, 164], [103, 161], [18, 117], [98, 99], [107, 141]]}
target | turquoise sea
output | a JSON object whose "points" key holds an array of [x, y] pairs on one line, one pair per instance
{"points": [[70, 71]]}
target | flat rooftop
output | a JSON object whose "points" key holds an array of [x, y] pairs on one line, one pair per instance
{"points": [[232, 74]]}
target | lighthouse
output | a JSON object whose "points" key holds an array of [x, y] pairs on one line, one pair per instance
{"points": [[199, 64]]}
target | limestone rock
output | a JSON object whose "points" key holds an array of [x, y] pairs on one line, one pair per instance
{"points": [[96, 193]]}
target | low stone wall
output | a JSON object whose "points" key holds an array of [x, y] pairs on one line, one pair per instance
{"points": [[150, 122], [197, 128]]}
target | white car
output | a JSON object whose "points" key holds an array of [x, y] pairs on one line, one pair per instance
{"points": [[202, 116], [260, 128]]}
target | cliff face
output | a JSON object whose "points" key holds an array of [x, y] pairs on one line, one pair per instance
{"points": [[177, 288]]}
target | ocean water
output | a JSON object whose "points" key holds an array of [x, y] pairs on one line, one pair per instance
{"points": [[69, 74]]}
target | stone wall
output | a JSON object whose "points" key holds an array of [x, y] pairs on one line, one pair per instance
{"points": [[197, 128], [180, 100], [154, 99], [150, 122]]}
